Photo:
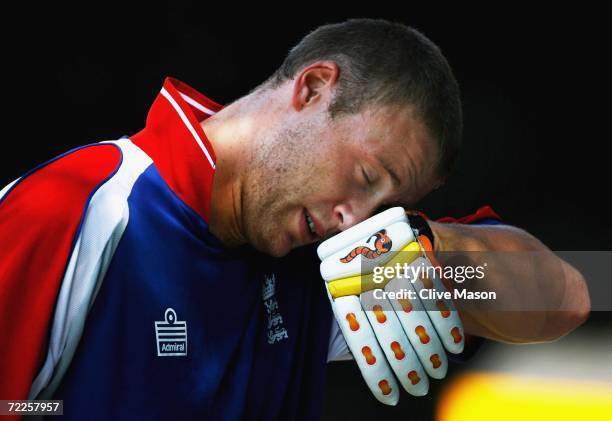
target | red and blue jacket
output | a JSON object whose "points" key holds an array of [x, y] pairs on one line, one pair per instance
{"points": [[116, 298]]}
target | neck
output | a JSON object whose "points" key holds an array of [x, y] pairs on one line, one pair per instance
{"points": [[231, 131]]}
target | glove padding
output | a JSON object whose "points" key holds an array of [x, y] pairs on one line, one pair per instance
{"points": [[389, 334]]}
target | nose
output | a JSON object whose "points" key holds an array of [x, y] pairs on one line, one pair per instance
{"points": [[348, 214]]}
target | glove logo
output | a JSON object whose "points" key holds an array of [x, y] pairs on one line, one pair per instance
{"points": [[171, 335], [382, 245]]}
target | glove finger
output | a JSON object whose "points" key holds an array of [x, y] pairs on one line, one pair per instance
{"points": [[361, 341], [441, 312], [395, 344], [418, 328]]}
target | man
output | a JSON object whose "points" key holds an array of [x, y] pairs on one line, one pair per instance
{"points": [[135, 278]]}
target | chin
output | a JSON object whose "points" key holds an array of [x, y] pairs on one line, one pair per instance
{"points": [[269, 238], [277, 250], [272, 248], [282, 253]]}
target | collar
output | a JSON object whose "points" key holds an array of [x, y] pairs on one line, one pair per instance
{"points": [[178, 146]]}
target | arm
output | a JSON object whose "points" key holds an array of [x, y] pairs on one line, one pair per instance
{"points": [[40, 216], [556, 286]]}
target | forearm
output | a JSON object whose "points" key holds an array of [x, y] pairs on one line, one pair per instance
{"points": [[554, 292]]}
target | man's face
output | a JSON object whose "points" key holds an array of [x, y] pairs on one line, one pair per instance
{"points": [[316, 176]]}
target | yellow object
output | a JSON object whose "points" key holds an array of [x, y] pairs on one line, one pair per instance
{"points": [[355, 285], [504, 397]]}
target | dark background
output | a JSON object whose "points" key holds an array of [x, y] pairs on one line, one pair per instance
{"points": [[534, 94]]}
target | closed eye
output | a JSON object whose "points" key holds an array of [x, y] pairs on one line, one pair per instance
{"points": [[367, 179]]}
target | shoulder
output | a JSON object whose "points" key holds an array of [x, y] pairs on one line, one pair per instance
{"points": [[59, 188]]}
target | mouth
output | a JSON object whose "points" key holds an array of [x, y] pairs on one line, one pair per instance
{"points": [[310, 227]]}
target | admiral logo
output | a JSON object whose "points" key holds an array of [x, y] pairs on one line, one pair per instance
{"points": [[171, 336]]}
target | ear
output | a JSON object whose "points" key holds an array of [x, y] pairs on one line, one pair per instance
{"points": [[314, 83]]}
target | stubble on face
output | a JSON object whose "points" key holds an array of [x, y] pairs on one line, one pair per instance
{"points": [[279, 178]]}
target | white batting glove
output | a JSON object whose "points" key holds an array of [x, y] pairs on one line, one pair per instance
{"points": [[403, 336]]}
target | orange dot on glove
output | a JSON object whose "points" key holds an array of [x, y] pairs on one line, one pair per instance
{"points": [[367, 353], [384, 387], [423, 336], [380, 314], [406, 304], [444, 311], [397, 350], [456, 334], [435, 360], [352, 321], [414, 378]]}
